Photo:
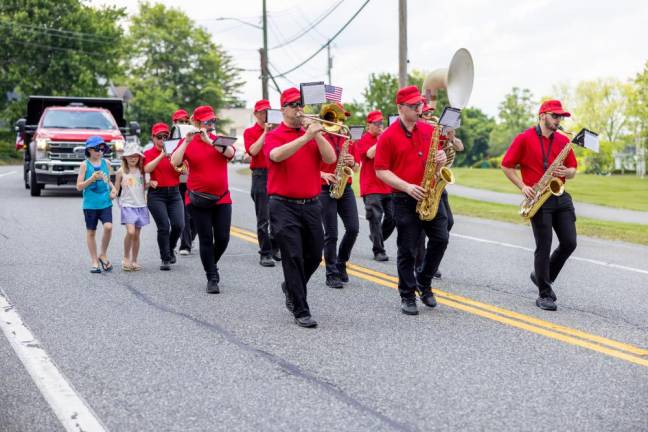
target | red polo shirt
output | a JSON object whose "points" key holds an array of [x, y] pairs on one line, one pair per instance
{"points": [[337, 143], [298, 176], [526, 152], [250, 136], [369, 183], [164, 173], [405, 155], [207, 169]]}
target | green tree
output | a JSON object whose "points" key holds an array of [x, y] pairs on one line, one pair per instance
{"points": [[57, 47], [380, 93], [475, 131], [516, 113]]}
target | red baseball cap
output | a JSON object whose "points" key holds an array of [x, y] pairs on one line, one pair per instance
{"points": [[346, 113], [553, 106], [374, 116], [408, 95], [261, 105], [290, 95], [427, 107], [180, 114], [204, 113], [159, 128]]}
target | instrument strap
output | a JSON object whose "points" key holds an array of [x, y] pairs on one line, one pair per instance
{"points": [[545, 157]]}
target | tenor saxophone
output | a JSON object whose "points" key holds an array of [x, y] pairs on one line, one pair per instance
{"points": [[433, 184], [342, 173]]}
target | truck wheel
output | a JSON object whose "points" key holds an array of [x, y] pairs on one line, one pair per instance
{"points": [[34, 187]]}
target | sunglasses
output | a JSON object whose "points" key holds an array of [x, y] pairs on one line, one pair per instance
{"points": [[556, 116], [294, 105], [101, 148], [162, 136], [413, 107], [377, 123], [185, 121]]}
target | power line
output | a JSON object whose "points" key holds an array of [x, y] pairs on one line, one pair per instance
{"points": [[327, 42], [309, 27], [59, 32]]}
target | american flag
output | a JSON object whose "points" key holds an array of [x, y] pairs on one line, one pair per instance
{"points": [[333, 94]]}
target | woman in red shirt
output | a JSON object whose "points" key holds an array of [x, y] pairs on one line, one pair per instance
{"points": [[208, 195], [164, 200]]}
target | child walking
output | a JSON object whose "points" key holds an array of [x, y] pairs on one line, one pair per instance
{"points": [[98, 193], [134, 213]]}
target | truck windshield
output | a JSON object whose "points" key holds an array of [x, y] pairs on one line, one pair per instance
{"points": [[77, 120]]}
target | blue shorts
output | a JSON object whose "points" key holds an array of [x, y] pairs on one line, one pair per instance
{"points": [[93, 216], [138, 216]]}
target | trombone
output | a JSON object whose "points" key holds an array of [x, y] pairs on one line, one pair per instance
{"points": [[330, 117]]}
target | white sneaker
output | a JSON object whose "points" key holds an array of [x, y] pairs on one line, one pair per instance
{"points": [[184, 252]]}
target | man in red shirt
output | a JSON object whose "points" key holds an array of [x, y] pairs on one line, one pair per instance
{"points": [[254, 137], [401, 156], [375, 193], [294, 156], [189, 232], [345, 206], [533, 151]]}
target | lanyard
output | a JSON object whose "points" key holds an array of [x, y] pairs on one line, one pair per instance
{"points": [[545, 157]]}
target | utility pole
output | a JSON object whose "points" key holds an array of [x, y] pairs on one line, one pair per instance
{"points": [[264, 55], [330, 62], [402, 43]]}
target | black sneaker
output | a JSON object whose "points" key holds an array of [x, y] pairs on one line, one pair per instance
{"points": [[276, 255], [437, 275], [381, 256], [165, 266], [306, 321], [212, 287], [546, 303], [334, 282], [429, 300], [173, 258], [266, 261], [552, 294], [408, 306], [289, 303], [344, 277]]}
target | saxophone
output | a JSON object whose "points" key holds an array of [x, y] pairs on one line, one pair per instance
{"points": [[433, 183], [342, 173], [547, 185]]}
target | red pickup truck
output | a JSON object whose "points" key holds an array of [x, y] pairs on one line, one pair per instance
{"points": [[54, 132]]}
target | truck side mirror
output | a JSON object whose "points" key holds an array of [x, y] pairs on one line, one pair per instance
{"points": [[20, 126], [135, 128]]}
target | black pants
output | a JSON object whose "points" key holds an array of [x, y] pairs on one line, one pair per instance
{"points": [[259, 195], [409, 228], [297, 230], [380, 215], [420, 250], [213, 227], [167, 209], [557, 213], [347, 208], [189, 231]]}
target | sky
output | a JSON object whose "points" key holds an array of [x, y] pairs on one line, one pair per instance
{"points": [[534, 44]]}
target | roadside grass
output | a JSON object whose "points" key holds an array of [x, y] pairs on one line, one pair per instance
{"points": [[626, 192], [8, 154]]}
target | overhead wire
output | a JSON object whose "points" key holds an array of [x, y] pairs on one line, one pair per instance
{"points": [[310, 27]]}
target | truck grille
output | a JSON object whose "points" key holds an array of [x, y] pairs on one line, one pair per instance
{"points": [[64, 151]]}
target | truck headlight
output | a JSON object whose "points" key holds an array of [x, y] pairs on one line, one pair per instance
{"points": [[42, 144], [119, 145]]}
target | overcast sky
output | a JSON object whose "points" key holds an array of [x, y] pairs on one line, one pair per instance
{"points": [[529, 44]]}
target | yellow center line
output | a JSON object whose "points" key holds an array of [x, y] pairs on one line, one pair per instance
{"points": [[514, 319]]}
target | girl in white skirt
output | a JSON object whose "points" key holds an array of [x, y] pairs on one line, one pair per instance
{"points": [[134, 213]]}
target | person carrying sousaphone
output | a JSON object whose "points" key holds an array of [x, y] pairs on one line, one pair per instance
{"points": [[208, 194], [534, 150]]}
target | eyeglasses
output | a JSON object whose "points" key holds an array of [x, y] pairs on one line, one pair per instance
{"points": [[162, 136], [183, 121], [294, 105], [413, 107], [556, 116], [377, 123]]}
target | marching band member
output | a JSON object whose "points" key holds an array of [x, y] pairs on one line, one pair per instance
{"points": [[294, 156], [534, 150], [254, 137], [189, 232], [400, 161], [375, 194], [208, 195], [164, 201], [345, 206]]}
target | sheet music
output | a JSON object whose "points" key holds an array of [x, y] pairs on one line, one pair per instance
{"points": [[356, 132], [275, 117], [313, 93], [591, 141]]}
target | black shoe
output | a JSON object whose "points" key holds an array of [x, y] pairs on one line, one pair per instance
{"points": [[334, 282], [381, 256], [306, 321], [289, 303], [344, 277], [437, 275], [266, 261], [166, 266], [546, 303], [429, 300], [552, 294], [173, 259], [212, 287], [276, 255], [408, 306]]}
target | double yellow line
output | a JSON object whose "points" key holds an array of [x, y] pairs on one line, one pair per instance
{"points": [[620, 350]]}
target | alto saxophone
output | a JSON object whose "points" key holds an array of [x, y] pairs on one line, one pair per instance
{"points": [[432, 183], [342, 173]]}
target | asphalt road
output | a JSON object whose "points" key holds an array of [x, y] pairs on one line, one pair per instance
{"points": [[151, 351]]}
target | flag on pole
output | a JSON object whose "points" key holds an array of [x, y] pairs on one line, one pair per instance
{"points": [[333, 94]]}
